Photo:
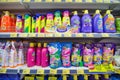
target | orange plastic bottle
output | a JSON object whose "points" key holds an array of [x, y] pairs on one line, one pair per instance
{"points": [[13, 23], [6, 22]]}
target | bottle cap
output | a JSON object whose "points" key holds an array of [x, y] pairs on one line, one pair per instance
{"points": [[39, 44], [6, 12], [45, 44], [97, 12], [31, 44], [57, 13], [108, 11], [75, 12], [85, 11]]}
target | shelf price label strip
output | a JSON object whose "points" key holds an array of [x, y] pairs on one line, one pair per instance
{"points": [[23, 35], [26, 71], [57, 0], [3, 70], [105, 35], [32, 35], [53, 71], [89, 35], [40, 71], [66, 71], [13, 35], [40, 35], [80, 71]]}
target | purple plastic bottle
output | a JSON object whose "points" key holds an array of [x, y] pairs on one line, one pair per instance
{"points": [[31, 55], [97, 22], [86, 22], [38, 54], [44, 56]]}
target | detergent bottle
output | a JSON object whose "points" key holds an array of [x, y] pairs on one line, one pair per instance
{"points": [[38, 54], [31, 55], [33, 24], [117, 23], [19, 22], [27, 25], [97, 22], [57, 20], [86, 22], [65, 22], [13, 22], [44, 56], [20, 54], [42, 28], [50, 24], [109, 22], [6, 22], [75, 23], [38, 22]]}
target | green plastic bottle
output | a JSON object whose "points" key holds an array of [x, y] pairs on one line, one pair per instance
{"points": [[117, 23]]}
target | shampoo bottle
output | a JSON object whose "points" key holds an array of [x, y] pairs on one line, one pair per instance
{"points": [[31, 55], [38, 54], [42, 27], [75, 23], [109, 22], [97, 22], [33, 24], [6, 22], [44, 56], [86, 22], [38, 22]]}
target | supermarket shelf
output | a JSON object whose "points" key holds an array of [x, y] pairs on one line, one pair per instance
{"points": [[59, 35]]}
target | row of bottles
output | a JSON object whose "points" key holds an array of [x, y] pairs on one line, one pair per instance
{"points": [[59, 23]]}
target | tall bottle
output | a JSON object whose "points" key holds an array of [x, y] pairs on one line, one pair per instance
{"points": [[86, 22], [109, 22], [13, 22], [6, 22], [38, 22], [38, 54], [75, 23], [33, 24], [44, 56], [31, 55], [42, 28], [27, 25], [97, 22]]}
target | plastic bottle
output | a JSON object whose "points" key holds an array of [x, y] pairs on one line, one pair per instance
{"points": [[109, 22], [57, 20], [33, 24], [75, 23], [44, 56], [117, 23], [97, 22], [31, 55], [106, 77], [42, 28], [38, 22], [19, 24], [86, 22], [50, 24], [27, 23], [13, 22], [96, 76], [6, 22], [38, 54], [20, 54]]}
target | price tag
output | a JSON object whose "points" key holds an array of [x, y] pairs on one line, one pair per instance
{"points": [[32, 34], [99, 1], [89, 1], [78, 0], [13, 35], [3, 1], [38, 0], [40, 71], [13, 1], [89, 35], [67, 35], [53, 71], [49, 34], [66, 71], [105, 35], [57, 0], [117, 71], [3, 70], [23, 35], [29, 78], [68, 0], [106, 1], [48, 1], [41, 35], [80, 71], [58, 35], [26, 0], [79, 35], [26, 71]]}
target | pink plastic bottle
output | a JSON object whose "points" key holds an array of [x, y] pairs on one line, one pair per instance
{"points": [[38, 54], [44, 56], [31, 55]]}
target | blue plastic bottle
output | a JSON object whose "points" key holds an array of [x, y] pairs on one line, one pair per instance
{"points": [[97, 22], [75, 23], [109, 22], [86, 22]]}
